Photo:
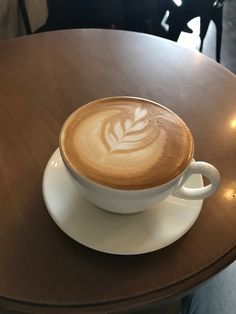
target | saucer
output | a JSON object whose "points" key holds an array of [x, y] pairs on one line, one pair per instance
{"points": [[144, 232]]}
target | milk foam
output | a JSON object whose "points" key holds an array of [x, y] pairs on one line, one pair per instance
{"points": [[127, 132], [123, 143]]}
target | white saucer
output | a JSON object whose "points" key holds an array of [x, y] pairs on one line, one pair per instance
{"points": [[139, 233]]}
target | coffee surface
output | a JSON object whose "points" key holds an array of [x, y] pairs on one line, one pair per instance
{"points": [[126, 143]]}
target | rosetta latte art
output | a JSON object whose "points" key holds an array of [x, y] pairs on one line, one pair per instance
{"points": [[126, 143], [124, 134]]}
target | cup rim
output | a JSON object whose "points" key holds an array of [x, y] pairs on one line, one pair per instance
{"points": [[76, 173]]}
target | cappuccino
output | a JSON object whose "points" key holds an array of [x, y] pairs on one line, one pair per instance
{"points": [[126, 143]]}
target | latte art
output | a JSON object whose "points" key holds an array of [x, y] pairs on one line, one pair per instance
{"points": [[125, 143], [128, 132]]}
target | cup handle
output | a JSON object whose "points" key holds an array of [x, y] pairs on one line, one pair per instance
{"points": [[205, 169]]}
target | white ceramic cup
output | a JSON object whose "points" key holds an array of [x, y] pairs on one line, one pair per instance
{"points": [[126, 201], [133, 201]]}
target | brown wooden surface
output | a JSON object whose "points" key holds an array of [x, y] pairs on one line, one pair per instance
{"points": [[43, 78]]}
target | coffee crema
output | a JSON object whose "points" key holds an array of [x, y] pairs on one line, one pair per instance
{"points": [[126, 143]]}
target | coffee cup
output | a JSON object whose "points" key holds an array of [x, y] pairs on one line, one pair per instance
{"points": [[128, 153]]}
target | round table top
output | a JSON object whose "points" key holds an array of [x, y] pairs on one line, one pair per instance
{"points": [[45, 77]]}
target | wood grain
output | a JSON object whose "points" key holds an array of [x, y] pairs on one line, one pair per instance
{"points": [[43, 78]]}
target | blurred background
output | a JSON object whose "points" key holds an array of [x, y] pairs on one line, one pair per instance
{"points": [[21, 17]]}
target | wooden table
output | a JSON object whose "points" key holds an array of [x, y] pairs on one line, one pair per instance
{"points": [[43, 78]]}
